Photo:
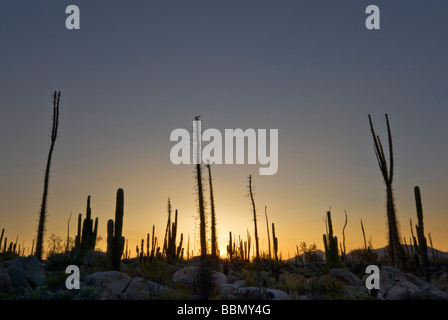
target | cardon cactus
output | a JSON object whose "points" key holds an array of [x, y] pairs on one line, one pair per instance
{"points": [[86, 237], [115, 240], [231, 247], [331, 244], [275, 240], [422, 244]]}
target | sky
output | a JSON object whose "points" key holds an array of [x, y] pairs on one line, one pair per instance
{"points": [[137, 70]]}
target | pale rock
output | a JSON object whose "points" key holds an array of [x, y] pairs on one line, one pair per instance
{"points": [[110, 284], [22, 272]]}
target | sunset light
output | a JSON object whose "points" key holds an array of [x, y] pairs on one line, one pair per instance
{"points": [[333, 118]]}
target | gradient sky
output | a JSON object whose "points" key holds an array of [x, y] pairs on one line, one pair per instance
{"points": [[137, 70]]}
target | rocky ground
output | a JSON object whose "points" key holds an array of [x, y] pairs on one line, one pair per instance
{"points": [[27, 278]]}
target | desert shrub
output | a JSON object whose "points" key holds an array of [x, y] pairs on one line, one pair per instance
{"points": [[324, 288], [56, 279], [86, 293], [291, 283], [360, 259], [157, 271], [60, 261]]}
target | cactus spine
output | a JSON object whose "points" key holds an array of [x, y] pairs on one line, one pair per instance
{"points": [[115, 240]]}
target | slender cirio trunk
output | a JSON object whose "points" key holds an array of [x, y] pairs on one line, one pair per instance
{"points": [[257, 252], [214, 244], [395, 249], [43, 208]]}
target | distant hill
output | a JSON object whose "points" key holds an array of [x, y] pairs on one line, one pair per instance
{"points": [[441, 254]]}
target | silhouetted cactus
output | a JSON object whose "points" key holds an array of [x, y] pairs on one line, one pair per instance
{"points": [[247, 245], [153, 242], [147, 245], [231, 247], [205, 270], [172, 250], [78, 235], [67, 244], [86, 237], [331, 244], [254, 212], [267, 227], [214, 241], [172, 239], [43, 208], [142, 250], [343, 249], [435, 254], [1, 238], [275, 267], [9, 250], [127, 251], [167, 230], [188, 247], [115, 240], [180, 249], [275, 243], [396, 252], [422, 244], [364, 236], [4, 244], [242, 249]]}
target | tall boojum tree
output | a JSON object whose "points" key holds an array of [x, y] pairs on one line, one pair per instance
{"points": [[396, 252], [43, 208]]}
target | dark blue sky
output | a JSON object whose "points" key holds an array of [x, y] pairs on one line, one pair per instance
{"points": [[136, 70]]}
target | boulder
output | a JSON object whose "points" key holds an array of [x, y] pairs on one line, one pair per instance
{"points": [[239, 283], [22, 272], [111, 285], [394, 285], [275, 294], [137, 290], [189, 276], [353, 287], [251, 293], [260, 293], [396, 293], [397, 285], [346, 277], [141, 289], [219, 278], [228, 291]]}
